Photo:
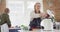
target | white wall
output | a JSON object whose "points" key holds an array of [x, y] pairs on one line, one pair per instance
{"points": [[20, 11]]}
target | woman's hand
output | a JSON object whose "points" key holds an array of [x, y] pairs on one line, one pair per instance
{"points": [[43, 15]]}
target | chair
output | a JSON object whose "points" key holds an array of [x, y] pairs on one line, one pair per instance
{"points": [[47, 23]]}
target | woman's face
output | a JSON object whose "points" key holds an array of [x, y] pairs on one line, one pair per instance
{"points": [[37, 7]]}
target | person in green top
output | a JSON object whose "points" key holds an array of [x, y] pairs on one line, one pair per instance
{"points": [[5, 18]]}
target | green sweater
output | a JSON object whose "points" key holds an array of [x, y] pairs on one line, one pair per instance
{"points": [[5, 19]]}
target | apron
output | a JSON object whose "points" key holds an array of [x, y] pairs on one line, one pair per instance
{"points": [[4, 28], [35, 23]]}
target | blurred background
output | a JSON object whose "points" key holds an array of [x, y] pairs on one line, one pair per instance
{"points": [[20, 9]]}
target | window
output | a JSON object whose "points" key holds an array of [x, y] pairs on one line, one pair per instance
{"points": [[20, 11]]}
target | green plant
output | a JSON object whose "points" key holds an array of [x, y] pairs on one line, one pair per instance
{"points": [[24, 27]]}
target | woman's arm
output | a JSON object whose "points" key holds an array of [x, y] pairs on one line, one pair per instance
{"points": [[43, 15], [8, 21]]}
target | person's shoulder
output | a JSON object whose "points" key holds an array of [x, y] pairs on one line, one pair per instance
{"points": [[4, 14]]}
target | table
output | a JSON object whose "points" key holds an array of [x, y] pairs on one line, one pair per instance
{"points": [[14, 29], [35, 30], [40, 30]]}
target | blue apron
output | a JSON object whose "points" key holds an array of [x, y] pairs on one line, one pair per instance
{"points": [[35, 22]]}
